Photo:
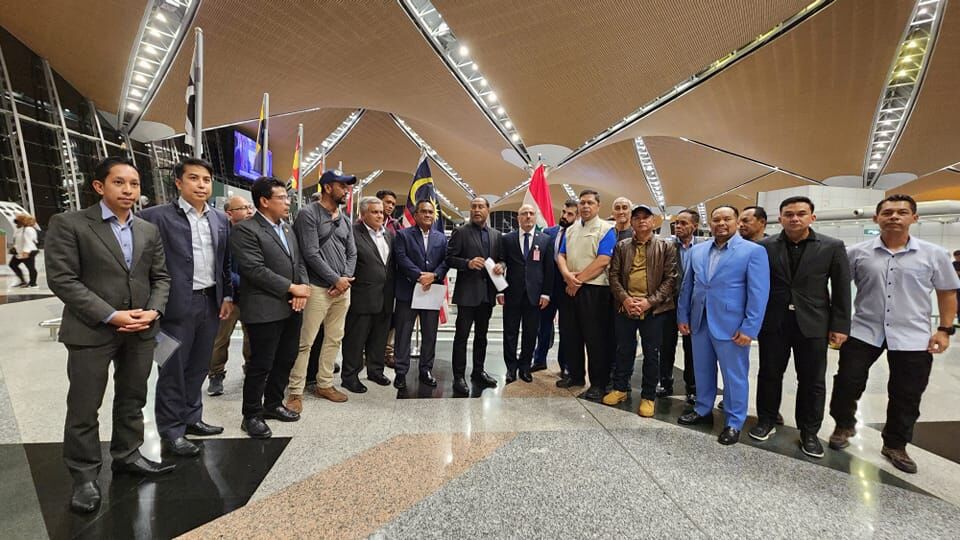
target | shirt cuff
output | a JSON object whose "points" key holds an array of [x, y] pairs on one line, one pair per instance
{"points": [[228, 299], [110, 316], [544, 297]]}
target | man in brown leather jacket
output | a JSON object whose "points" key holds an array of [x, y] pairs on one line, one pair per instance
{"points": [[643, 274]]}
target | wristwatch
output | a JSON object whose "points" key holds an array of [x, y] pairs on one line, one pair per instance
{"points": [[948, 330]]}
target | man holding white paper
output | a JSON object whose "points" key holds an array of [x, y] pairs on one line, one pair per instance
{"points": [[474, 292]]}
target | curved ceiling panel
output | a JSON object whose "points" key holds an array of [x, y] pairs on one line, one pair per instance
{"points": [[941, 185], [614, 169], [747, 195]]}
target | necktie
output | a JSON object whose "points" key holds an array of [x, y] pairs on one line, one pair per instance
{"points": [[526, 244]]}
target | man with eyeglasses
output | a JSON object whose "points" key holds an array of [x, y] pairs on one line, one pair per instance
{"points": [[237, 209]]}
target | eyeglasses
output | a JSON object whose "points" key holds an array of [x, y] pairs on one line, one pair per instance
{"points": [[244, 207], [281, 197]]}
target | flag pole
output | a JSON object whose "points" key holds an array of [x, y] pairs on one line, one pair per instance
{"points": [[198, 97], [300, 167], [266, 131]]}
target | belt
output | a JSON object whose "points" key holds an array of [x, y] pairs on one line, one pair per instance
{"points": [[209, 291]]}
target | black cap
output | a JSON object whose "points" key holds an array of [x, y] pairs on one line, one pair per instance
{"points": [[333, 175], [641, 208]]}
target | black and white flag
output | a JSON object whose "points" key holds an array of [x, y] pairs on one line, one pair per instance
{"points": [[191, 99]]}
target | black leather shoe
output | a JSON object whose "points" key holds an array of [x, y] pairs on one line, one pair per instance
{"points": [[537, 367], [664, 391], [511, 377], [691, 399], [482, 379], [203, 429], [592, 394], [379, 378], [180, 447], [427, 378], [692, 418], [779, 419], [281, 413], [85, 498], [400, 382], [810, 445], [762, 431], [460, 387], [525, 376], [143, 466], [567, 382], [729, 436], [356, 387], [256, 428]]}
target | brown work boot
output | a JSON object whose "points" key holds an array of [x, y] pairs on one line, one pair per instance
{"points": [[840, 438], [294, 403], [900, 459], [331, 393]]}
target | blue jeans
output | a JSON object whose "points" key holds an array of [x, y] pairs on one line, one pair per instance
{"points": [[651, 335]]}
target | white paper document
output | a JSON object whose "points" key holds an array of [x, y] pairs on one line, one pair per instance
{"points": [[166, 346], [500, 282], [430, 299]]}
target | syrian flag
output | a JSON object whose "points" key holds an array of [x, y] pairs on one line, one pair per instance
{"points": [[538, 196], [191, 98]]}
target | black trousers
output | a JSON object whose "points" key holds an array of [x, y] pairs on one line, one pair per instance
{"points": [[365, 337], [810, 361], [909, 374], [30, 262], [651, 334], [477, 317], [517, 314], [87, 371], [179, 400], [586, 323], [668, 354], [273, 350], [403, 318]]}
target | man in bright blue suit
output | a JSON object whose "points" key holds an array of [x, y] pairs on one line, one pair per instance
{"points": [[722, 301]]}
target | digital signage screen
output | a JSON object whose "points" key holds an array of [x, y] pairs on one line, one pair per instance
{"points": [[245, 155]]}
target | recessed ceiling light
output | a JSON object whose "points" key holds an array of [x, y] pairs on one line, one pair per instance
{"points": [[501, 111], [160, 17], [508, 124], [131, 106], [464, 51], [492, 97], [140, 78]]}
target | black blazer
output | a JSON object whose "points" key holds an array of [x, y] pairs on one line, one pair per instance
{"points": [[819, 311], [531, 276], [372, 290], [266, 269], [473, 287]]}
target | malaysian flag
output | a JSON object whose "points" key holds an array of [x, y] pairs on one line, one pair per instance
{"points": [[191, 122]]}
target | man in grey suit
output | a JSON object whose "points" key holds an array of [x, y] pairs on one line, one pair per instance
{"points": [[371, 307], [195, 241], [108, 269]]}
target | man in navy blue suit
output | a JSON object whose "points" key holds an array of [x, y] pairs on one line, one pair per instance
{"points": [[420, 253], [529, 259], [545, 333], [723, 297], [196, 239]]}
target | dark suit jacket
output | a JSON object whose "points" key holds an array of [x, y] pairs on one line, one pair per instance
{"points": [[526, 277], [266, 269], [86, 270], [818, 310], [473, 287], [372, 290], [411, 259], [178, 247], [557, 291]]}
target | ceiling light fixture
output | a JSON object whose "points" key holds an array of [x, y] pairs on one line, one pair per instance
{"points": [[569, 190], [331, 141], [902, 88], [434, 155], [702, 210], [650, 173]]}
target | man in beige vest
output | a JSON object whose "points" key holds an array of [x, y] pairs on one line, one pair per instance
{"points": [[583, 259]]}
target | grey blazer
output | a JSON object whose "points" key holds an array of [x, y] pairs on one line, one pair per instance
{"points": [[86, 270], [266, 269]]}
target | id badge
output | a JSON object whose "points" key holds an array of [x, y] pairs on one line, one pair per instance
{"points": [[536, 253]]}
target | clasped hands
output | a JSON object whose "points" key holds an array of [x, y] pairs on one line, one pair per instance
{"points": [[133, 320], [341, 286], [572, 279], [300, 294], [635, 307]]}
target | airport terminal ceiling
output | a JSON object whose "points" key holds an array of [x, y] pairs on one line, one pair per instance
{"points": [[796, 106]]}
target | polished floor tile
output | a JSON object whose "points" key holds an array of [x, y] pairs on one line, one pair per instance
{"points": [[941, 438]]}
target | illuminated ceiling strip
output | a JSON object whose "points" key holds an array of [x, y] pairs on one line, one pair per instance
{"points": [[570, 192], [702, 210], [903, 86], [366, 181], [456, 56], [162, 31], [693, 81], [313, 159], [650, 173], [773, 168], [442, 163]]}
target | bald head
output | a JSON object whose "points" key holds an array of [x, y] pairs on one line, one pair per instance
{"points": [[526, 217], [238, 209]]}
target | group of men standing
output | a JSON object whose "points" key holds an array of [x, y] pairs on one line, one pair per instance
{"points": [[184, 271]]}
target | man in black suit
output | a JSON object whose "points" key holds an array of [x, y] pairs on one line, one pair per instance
{"points": [[274, 292], [108, 268], [529, 258], [371, 308], [195, 240], [474, 293], [802, 314]]}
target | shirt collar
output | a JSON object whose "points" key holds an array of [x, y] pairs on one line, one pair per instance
{"points": [[810, 237], [107, 214], [187, 208], [374, 231], [531, 232], [638, 243], [270, 221], [878, 244]]}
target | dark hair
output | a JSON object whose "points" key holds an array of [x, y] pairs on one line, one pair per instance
{"points": [[178, 170], [484, 199], [570, 202], [693, 213], [898, 197], [736, 213], [590, 192], [263, 188], [796, 199], [956, 253], [102, 170], [384, 192], [758, 212], [424, 201]]}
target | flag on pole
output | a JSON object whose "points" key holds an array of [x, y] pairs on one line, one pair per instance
{"points": [[538, 196], [295, 184], [258, 163], [349, 206], [420, 189], [191, 99]]}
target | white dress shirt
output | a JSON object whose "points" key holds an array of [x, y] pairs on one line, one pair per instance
{"points": [[204, 271], [381, 242]]}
